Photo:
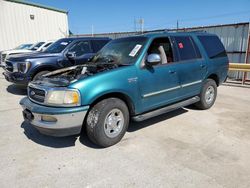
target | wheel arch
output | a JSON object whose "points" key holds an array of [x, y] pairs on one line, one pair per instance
{"points": [[42, 68], [125, 98], [214, 77]]}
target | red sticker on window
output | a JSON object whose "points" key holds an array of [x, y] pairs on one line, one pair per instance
{"points": [[180, 45]]}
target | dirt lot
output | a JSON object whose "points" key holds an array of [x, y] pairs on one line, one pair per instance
{"points": [[185, 148]]}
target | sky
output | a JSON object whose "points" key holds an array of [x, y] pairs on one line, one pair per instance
{"points": [[118, 16]]}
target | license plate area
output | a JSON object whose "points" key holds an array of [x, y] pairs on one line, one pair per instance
{"points": [[27, 114]]}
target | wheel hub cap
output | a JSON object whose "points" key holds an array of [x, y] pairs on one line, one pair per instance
{"points": [[209, 95], [114, 123]]}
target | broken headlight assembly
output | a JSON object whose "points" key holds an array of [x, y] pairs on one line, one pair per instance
{"points": [[67, 97]]}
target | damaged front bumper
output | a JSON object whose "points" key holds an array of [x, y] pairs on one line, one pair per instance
{"points": [[17, 78], [54, 121]]}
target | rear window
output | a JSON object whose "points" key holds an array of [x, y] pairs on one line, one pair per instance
{"points": [[187, 48], [98, 44], [213, 46]]}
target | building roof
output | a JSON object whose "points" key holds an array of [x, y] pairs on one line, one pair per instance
{"points": [[37, 5]]}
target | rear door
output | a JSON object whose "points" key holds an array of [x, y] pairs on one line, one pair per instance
{"points": [[191, 66]]}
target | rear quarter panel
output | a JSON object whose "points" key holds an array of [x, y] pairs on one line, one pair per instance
{"points": [[217, 66]]}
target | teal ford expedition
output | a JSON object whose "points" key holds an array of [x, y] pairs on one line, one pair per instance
{"points": [[133, 78]]}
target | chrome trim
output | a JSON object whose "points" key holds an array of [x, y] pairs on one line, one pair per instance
{"points": [[171, 89], [48, 89], [191, 83], [160, 92]]}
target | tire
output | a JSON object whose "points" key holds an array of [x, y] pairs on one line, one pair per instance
{"points": [[39, 74], [208, 95], [113, 111]]}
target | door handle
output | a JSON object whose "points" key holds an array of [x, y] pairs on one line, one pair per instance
{"points": [[172, 71], [203, 66]]}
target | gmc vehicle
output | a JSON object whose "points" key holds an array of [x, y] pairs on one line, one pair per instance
{"points": [[130, 78], [21, 69]]}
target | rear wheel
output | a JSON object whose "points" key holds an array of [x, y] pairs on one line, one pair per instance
{"points": [[107, 122], [208, 95], [39, 75]]}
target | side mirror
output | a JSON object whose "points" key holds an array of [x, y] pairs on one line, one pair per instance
{"points": [[153, 59], [71, 55]]}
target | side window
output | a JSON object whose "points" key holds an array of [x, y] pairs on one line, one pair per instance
{"points": [[187, 48], [80, 48], [213, 46], [162, 46], [98, 44]]}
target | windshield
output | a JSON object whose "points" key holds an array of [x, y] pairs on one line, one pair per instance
{"points": [[23, 46], [36, 46], [58, 46], [121, 51]]}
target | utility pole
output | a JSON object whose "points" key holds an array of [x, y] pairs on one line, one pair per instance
{"points": [[92, 30], [141, 23], [135, 25], [177, 25]]}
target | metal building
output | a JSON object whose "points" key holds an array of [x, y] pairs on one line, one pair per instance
{"points": [[25, 22], [235, 38]]}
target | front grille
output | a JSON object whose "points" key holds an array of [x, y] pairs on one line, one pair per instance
{"points": [[36, 94], [3, 57], [8, 66]]}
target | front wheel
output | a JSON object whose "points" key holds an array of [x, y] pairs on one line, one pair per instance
{"points": [[208, 95], [38, 75], [107, 122]]}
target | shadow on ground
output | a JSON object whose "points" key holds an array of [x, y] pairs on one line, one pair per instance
{"points": [[54, 142], [69, 141], [135, 126], [17, 90]]}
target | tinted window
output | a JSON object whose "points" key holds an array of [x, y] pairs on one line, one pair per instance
{"points": [[58, 46], [186, 48], [213, 46], [98, 44], [80, 48]]}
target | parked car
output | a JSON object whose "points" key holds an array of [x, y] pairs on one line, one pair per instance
{"points": [[130, 78], [21, 69], [3, 54], [23, 46], [44, 46]]}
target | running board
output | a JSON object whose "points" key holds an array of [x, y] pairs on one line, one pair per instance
{"points": [[166, 109]]}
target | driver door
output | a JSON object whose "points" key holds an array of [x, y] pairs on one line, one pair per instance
{"points": [[159, 84], [79, 51]]}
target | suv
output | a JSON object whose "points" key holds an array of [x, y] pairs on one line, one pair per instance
{"points": [[21, 69], [130, 78]]}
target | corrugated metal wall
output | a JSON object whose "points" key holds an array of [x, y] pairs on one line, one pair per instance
{"points": [[233, 36], [16, 26]]}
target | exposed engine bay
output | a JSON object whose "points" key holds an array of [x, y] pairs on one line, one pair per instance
{"points": [[63, 77]]}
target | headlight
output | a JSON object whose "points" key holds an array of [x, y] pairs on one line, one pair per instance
{"points": [[23, 67], [63, 98]]}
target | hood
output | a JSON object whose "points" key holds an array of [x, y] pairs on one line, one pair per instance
{"points": [[32, 55], [16, 51], [66, 76]]}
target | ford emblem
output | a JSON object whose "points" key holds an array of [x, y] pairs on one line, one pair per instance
{"points": [[32, 93]]}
